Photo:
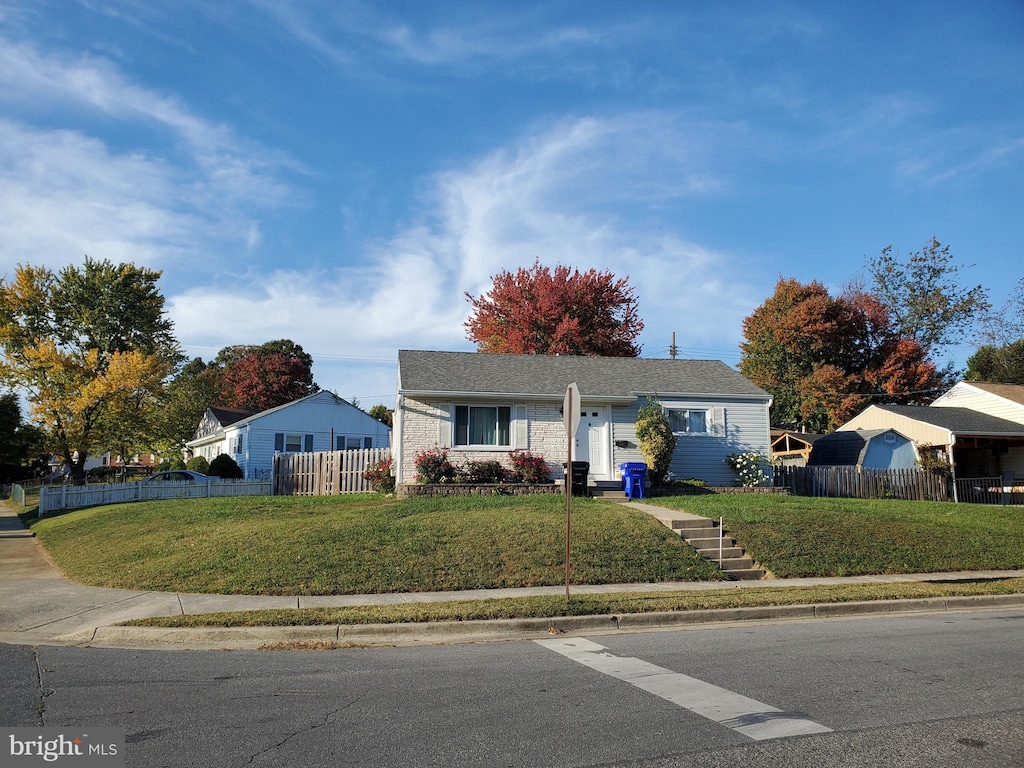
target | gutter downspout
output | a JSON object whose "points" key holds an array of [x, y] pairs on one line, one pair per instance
{"points": [[396, 445]]}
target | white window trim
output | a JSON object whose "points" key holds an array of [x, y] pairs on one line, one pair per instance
{"points": [[512, 423], [708, 423]]}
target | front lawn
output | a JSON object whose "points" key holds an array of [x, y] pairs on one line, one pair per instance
{"points": [[362, 544], [802, 536]]}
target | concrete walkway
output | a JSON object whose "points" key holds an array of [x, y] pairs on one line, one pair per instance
{"points": [[38, 606]]}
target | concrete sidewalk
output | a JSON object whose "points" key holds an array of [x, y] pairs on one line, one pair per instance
{"points": [[38, 606]]}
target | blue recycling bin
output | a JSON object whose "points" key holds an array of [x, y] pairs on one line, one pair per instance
{"points": [[634, 475]]}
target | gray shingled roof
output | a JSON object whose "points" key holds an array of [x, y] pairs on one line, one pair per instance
{"points": [[960, 421], [843, 448], [546, 375], [228, 416]]}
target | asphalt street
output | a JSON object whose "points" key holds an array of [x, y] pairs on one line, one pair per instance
{"points": [[913, 690]]}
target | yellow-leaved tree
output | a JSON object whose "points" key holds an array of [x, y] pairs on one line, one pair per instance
{"points": [[89, 347]]}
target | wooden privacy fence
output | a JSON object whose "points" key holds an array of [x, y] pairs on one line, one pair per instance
{"points": [[325, 473], [860, 483], [55, 498]]}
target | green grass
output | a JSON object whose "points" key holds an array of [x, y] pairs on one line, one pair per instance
{"points": [[362, 544], [587, 605], [801, 536]]}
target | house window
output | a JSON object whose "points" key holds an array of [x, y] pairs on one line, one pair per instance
{"points": [[238, 444], [292, 443], [688, 422], [348, 443], [484, 425]]}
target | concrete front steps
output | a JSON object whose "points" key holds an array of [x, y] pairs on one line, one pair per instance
{"points": [[701, 533], [704, 535]]}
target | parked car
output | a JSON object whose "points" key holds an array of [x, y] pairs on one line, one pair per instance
{"points": [[176, 476]]}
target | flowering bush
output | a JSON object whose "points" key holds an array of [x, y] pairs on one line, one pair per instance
{"points": [[529, 468], [432, 466], [749, 468], [379, 476]]}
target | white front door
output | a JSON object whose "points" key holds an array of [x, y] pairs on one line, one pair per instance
{"points": [[592, 441]]}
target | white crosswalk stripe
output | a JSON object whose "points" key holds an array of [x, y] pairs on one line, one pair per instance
{"points": [[745, 715]]}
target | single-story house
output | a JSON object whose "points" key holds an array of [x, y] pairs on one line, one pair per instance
{"points": [[866, 448], [319, 422], [791, 449], [483, 406]]}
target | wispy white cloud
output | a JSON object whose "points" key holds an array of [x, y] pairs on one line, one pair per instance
{"points": [[64, 192], [548, 197]]}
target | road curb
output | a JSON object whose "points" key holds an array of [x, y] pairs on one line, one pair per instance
{"points": [[440, 633]]}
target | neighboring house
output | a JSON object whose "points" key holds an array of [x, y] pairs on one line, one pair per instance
{"points": [[791, 449], [319, 422], [1005, 401], [976, 444], [482, 406], [867, 448]]}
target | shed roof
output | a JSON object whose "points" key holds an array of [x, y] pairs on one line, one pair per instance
{"points": [[844, 447], [426, 372]]}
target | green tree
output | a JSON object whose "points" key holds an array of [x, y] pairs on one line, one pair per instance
{"points": [[183, 402], [90, 347], [1000, 356], [382, 413], [22, 446], [924, 297], [657, 441]]}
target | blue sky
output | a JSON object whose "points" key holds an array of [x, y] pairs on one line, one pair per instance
{"points": [[340, 174]]}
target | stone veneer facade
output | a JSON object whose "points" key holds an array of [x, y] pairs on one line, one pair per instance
{"points": [[423, 422]]}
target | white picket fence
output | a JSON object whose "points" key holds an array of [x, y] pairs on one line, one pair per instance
{"points": [[58, 498], [325, 473]]}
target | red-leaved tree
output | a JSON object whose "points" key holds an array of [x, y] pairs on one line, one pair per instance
{"points": [[561, 311], [262, 379]]}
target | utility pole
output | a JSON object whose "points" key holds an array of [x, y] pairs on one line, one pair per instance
{"points": [[672, 350]]}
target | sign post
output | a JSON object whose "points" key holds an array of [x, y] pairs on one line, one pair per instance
{"points": [[571, 419]]}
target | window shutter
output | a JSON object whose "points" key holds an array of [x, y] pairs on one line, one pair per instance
{"points": [[339, 443], [279, 442], [444, 426], [718, 415], [522, 433], [308, 447], [367, 442]]}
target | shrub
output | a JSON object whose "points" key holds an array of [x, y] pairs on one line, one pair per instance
{"points": [[199, 464], [488, 471], [432, 466], [176, 462], [102, 474], [226, 467], [657, 442], [379, 476], [749, 468], [529, 468]]}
